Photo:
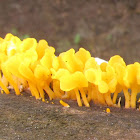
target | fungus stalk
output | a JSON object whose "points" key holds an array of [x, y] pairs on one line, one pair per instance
{"points": [[133, 97], [78, 97], [64, 104], [34, 90], [115, 97], [49, 92], [56, 88], [94, 94], [101, 98], [127, 97], [4, 88], [84, 97], [108, 99], [10, 79], [117, 91], [40, 89]]}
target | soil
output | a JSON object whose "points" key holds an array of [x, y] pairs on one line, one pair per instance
{"points": [[105, 28], [23, 117]]}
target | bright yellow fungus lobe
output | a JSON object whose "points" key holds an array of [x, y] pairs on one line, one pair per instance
{"points": [[64, 104], [107, 110], [72, 81], [103, 87], [32, 66]]}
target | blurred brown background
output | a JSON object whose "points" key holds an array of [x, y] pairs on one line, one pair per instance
{"points": [[104, 27]]}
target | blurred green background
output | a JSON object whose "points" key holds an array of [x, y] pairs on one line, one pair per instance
{"points": [[104, 27]]}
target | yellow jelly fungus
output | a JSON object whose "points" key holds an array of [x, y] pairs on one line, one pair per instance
{"points": [[31, 65], [94, 76], [131, 81], [91, 63], [82, 52], [103, 66], [120, 69], [70, 61], [115, 60], [28, 44], [41, 47], [64, 104], [107, 110], [76, 82]]}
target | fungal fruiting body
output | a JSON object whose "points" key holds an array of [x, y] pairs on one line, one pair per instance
{"points": [[33, 65], [64, 104]]}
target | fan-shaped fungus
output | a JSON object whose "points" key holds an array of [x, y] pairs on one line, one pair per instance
{"points": [[33, 65]]}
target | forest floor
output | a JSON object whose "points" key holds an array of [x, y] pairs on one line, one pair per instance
{"points": [[23, 117]]}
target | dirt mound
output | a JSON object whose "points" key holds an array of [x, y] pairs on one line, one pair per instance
{"points": [[23, 117]]}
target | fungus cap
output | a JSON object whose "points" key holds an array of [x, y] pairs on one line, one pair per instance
{"points": [[72, 81]]}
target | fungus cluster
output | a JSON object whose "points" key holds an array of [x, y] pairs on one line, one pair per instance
{"points": [[33, 65]]}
